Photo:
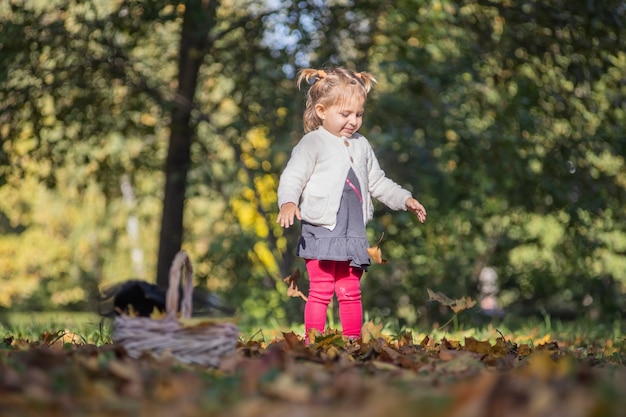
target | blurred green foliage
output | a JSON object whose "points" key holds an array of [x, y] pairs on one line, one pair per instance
{"points": [[506, 119]]}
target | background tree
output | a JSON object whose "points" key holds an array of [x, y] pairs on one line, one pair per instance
{"points": [[198, 19]]}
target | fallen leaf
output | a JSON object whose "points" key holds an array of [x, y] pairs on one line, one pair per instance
{"points": [[477, 346], [405, 339], [292, 340], [502, 348], [371, 331], [547, 343], [157, 314], [427, 342], [313, 335], [524, 350]]}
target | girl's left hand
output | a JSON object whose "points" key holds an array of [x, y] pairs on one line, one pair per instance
{"points": [[416, 208]]}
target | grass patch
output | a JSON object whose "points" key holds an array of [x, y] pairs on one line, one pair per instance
{"points": [[89, 327], [603, 337]]}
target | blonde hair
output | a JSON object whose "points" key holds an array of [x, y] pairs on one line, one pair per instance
{"points": [[331, 86]]}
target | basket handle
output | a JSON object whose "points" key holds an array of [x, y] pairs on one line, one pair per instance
{"points": [[171, 304]]}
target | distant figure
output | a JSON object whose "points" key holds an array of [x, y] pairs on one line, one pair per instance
{"points": [[328, 184], [488, 280], [143, 298]]}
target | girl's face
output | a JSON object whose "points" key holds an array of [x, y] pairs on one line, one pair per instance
{"points": [[342, 119]]}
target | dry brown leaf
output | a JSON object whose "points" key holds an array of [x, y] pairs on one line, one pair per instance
{"points": [[477, 346], [371, 331], [427, 342], [501, 348], [330, 353], [405, 339], [547, 343], [375, 253], [524, 350], [292, 285], [292, 340]]}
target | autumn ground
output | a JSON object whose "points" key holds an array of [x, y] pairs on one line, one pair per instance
{"points": [[460, 373]]}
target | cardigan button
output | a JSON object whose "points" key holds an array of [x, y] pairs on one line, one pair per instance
{"points": [[351, 160], [345, 142]]}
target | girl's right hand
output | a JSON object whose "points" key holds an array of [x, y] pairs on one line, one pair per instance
{"points": [[286, 214]]}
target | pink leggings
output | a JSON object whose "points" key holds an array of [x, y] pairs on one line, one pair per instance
{"points": [[326, 278]]}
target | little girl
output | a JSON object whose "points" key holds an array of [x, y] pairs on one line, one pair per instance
{"points": [[328, 184]]}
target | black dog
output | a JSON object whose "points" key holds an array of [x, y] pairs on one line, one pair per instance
{"points": [[143, 298]]}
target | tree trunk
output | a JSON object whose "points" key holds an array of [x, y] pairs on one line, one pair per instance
{"points": [[198, 19]]}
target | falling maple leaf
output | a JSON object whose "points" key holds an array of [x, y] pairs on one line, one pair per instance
{"points": [[440, 297], [375, 253], [292, 285], [462, 304], [456, 305]]}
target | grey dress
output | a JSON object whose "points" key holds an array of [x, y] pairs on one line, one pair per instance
{"points": [[348, 240]]}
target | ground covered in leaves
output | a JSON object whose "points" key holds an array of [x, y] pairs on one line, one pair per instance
{"points": [[59, 375]]}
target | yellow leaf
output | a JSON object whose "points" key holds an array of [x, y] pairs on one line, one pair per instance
{"points": [[427, 342], [156, 313], [609, 349], [313, 335], [462, 304], [330, 353], [545, 341], [371, 331]]}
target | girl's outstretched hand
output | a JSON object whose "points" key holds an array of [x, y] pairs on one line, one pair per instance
{"points": [[286, 214], [416, 208]]}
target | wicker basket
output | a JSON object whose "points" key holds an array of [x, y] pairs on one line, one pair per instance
{"points": [[205, 342]]}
